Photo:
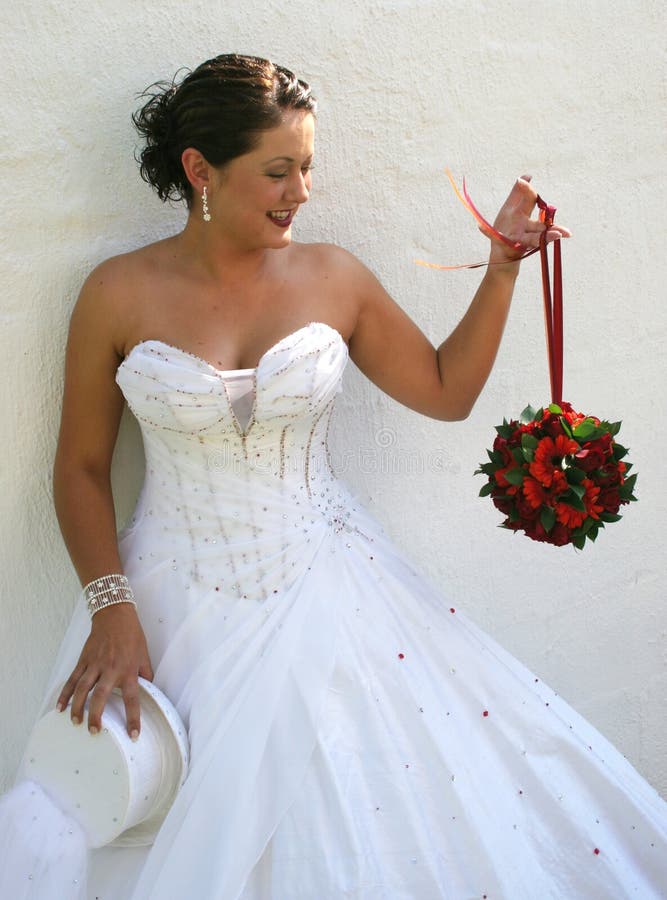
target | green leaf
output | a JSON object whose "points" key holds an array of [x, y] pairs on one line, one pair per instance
{"points": [[587, 431], [619, 451], [517, 453], [611, 427], [593, 533], [486, 469], [486, 489], [571, 499], [579, 542], [610, 517], [504, 430], [578, 489], [514, 476], [574, 475], [630, 482], [565, 425], [547, 518], [514, 515], [555, 409], [527, 415], [529, 441], [495, 456]]}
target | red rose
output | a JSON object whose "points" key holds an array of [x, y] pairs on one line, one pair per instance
{"points": [[525, 508], [500, 445], [559, 535], [551, 426], [610, 499], [594, 454], [513, 526], [502, 482], [611, 473], [504, 504]]}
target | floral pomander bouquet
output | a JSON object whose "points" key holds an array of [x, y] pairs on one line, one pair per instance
{"points": [[558, 475]]}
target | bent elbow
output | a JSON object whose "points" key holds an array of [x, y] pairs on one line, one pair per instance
{"points": [[456, 410]]}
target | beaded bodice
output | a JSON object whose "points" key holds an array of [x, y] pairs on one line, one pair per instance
{"points": [[239, 457]]}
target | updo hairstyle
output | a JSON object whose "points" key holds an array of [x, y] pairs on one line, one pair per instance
{"points": [[220, 109]]}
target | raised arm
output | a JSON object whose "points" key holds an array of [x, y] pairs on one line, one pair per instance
{"points": [[444, 383], [115, 652]]}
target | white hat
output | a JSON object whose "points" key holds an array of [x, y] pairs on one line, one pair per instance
{"points": [[117, 789]]}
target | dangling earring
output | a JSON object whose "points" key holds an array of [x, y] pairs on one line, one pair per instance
{"points": [[204, 204]]}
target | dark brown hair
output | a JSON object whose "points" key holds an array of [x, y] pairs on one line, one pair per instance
{"points": [[220, 109]]}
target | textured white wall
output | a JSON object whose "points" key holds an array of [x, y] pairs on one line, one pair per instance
{"points": [[568, 91]]}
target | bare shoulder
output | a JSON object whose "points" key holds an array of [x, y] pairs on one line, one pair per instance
{"points": [[343, 276], [111, 296], [335, 283], [332, 260]]}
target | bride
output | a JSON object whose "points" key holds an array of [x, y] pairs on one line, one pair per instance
{"points": [[352, 733]]}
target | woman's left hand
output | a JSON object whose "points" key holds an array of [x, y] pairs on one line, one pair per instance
{"points": [[515, 222]]}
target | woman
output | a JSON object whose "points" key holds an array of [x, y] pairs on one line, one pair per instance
{"points": [[350, 734]]}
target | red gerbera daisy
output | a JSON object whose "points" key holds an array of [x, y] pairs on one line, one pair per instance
{"points": [[549, 457]]}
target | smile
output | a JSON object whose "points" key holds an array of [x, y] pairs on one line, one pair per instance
{"points": [[282, 217]]}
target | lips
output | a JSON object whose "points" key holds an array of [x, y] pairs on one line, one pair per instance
{"points": [[282, 217]]}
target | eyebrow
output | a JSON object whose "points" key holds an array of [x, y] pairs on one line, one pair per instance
{"points": [[288, 159]]}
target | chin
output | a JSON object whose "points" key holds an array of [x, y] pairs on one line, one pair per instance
{"points": [[281, 240]]}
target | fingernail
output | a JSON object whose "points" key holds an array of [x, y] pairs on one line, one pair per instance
{"points": [[93, 729], [60, 707], [76, 720], [134, 735]]}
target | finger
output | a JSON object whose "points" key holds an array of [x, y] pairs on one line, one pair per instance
{"points": [[132, 708], [558, 230], [146, 671], [81, 691], [68, 688], [521, 199], [524, 195], [532, 226], [98, 700]]}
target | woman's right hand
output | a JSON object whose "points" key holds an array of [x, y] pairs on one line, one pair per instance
{"points": [[114, 655]]}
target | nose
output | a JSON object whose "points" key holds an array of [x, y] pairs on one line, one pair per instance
{"points": [[299, 187]]}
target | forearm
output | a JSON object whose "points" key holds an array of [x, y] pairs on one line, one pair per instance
{"points": [[85, 510], [466, 357]]}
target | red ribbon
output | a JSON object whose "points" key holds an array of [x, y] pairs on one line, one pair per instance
{"points": [[553, 308]]}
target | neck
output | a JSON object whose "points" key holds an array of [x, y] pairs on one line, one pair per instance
{"points": [[220, 258]]}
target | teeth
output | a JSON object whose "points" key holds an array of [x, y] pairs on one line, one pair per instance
{"points": [[281, 216]]}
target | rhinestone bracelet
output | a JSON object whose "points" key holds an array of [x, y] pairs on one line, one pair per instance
{"points": [[106, 591]]}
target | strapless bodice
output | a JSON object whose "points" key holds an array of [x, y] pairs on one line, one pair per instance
{"points": [[238, 458], [170, 389]]}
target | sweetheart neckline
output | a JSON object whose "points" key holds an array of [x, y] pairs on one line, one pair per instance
{"points": [[251, 370]]}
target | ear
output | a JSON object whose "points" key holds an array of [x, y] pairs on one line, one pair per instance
{"points": [[197, 169]]}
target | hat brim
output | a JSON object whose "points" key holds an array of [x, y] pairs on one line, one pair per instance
{"points": [[173, 743]]}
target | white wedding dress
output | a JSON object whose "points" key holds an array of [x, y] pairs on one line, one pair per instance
{"points": [[353, 734]]}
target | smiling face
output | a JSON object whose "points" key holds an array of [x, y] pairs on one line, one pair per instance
{"points": [[253, 199]]}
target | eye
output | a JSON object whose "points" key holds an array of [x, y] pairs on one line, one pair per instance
{"points": [[277, 174]]}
